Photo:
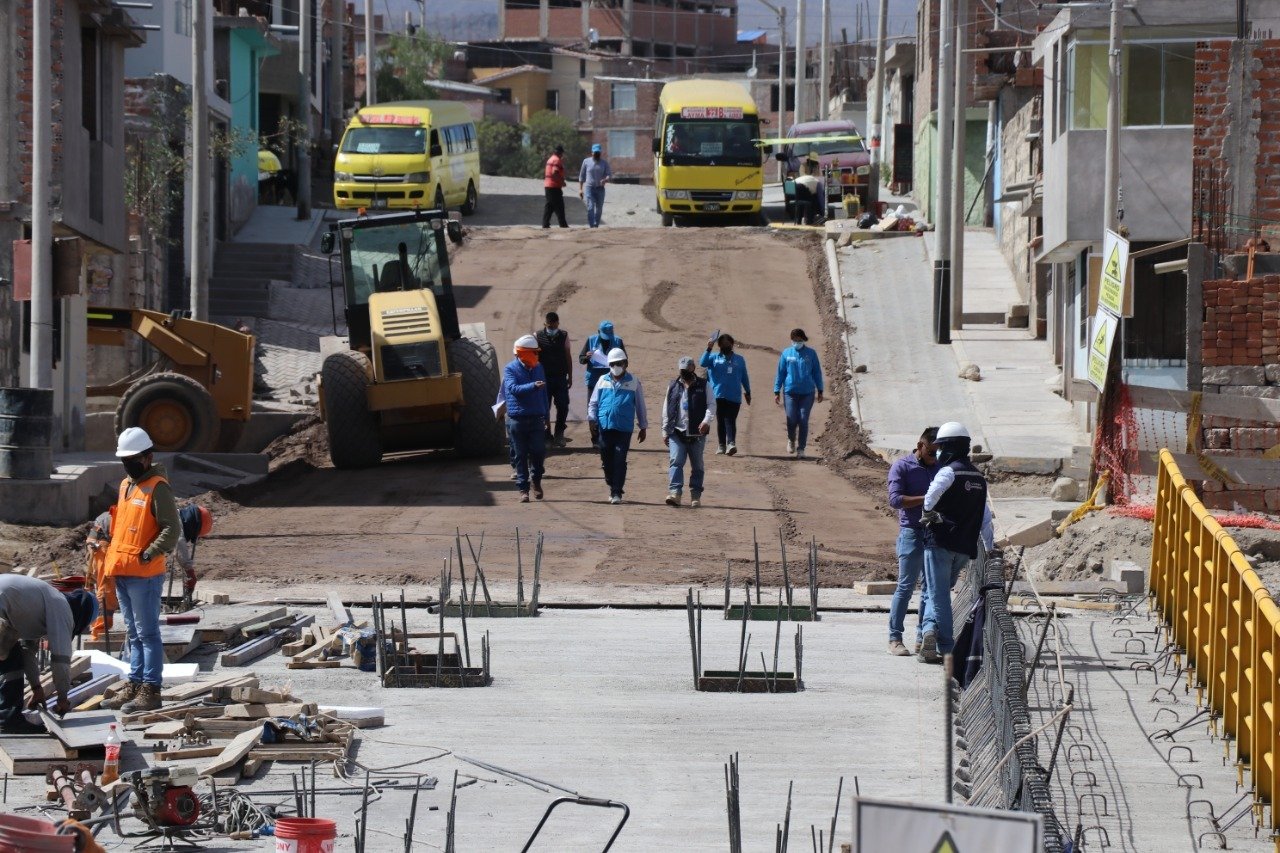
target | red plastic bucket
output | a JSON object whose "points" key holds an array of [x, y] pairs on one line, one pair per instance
{"points": [[31, 835], [305, 835]]}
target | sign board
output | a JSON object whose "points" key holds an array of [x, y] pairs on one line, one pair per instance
{"points": [[1115, 273], [387, 118], [711, 112], [1103, 335], [882, 825]]}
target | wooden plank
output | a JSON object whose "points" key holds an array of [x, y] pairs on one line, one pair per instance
{"points": [[315, 649], [257, 696], [272, 709], [234, 751], [222, 693], [314, 664], [341, 616], [195, 688], [33, 756], [165, 731], [81, 731], [218, 727], [255, 649], [251, 767], [1247, 470], [90, 689], [266, 625], [1259, 409], [190, 752]]}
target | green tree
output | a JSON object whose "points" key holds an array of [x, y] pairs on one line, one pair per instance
{"points": [[500, 147], [545, 131], [407, 63]]}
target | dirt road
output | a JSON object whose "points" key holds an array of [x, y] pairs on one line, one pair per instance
{"points": [[665, 290]]}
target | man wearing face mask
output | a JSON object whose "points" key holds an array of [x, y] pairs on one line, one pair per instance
{"points": [[909, 479], [592, 177], [955, 516], [799, 379], [595, 356], [144, 528], [524, 391], [686, 420], [727, 373], [554, 353], [617, 407]]}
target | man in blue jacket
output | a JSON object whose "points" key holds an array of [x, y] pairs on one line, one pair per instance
{"points": [[595, 356], [727, 373], [799, 379], [524, 391], [616, 408]]}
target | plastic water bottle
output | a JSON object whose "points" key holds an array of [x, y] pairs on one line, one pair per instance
{"points": [[111, 763]]}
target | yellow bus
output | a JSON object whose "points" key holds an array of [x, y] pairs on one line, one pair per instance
{"points": [[706, 157], [409, 154]]}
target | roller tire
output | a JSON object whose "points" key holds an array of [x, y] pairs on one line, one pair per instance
{"points": [[472, 204], [478, 433], [176, 411], [354, 435]]}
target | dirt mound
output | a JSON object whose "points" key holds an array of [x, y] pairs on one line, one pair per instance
{"points": [[1084, 551], [307, 441]]}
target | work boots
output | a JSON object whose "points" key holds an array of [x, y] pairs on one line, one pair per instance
{"points": [[127, 694], [146, 699]]}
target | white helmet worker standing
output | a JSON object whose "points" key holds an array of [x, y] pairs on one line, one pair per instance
{"points": [[133, 441], [615, 410]]}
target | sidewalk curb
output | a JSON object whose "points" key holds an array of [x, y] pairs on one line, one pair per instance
{"points": [[833, 270]]}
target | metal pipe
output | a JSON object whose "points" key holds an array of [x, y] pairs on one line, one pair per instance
{"points": [[1111, 176], [370, 75], [41, 323], [950, 724], [306, 44], [958, 140]]}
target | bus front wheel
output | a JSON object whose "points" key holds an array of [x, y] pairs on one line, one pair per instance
{"points": [[668, 219]]}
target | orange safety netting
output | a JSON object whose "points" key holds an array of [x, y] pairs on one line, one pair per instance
{"points": [[1226, 519], [1115, 447]]}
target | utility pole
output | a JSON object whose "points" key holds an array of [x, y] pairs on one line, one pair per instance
{"points": [[41, 370], [337, 52], [198, 217], [782, 70], [306, 43], [875, 104], [800, 62], [1111, 180], [370, 79], [942, 196], [958, 140], [824, 75]]}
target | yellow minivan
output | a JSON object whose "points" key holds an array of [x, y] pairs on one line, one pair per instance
{"points": [[409, 154], [707, 158]]}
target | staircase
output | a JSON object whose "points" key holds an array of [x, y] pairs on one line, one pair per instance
{"points": [[242, 274]]}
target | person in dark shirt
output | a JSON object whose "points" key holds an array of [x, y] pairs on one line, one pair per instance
{"points": [[909, 479], [555, 355]]}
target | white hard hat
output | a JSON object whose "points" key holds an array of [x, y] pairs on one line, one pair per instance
{"points": [[526, 342], [133, 441], [952, 429], [617, 354]]}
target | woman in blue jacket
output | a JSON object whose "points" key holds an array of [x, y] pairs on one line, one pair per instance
{"points": [[798, 381], [727, 373]]}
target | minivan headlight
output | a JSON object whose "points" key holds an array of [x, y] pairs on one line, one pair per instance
{"points": [[676, 194], [417, 177], [342, 177]]}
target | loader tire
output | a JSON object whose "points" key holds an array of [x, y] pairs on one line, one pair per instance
{"points": [[478, 432], [175, 410], [354, 434]]}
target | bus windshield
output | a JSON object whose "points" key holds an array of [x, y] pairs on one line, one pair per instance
{"points": [[374, 261], [710, 142], [385, 140]]}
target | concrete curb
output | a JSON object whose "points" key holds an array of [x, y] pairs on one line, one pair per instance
{"points": [[833, 270]]}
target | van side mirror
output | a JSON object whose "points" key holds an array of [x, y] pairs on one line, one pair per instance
{"points": [[436, 151], [657, 145], [768, 149], [326, 242]]}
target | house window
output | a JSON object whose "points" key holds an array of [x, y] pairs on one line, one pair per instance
{"points": [[582, 69], [621, 143], [1158, 79], [89, 81], [582, 99], [182, 17], [773, 98], [553, 100], [622, 96]]}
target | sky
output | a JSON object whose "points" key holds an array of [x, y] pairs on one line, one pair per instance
{"points": [[752, 14]]}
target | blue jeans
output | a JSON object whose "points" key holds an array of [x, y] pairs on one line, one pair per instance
{"points": [[595, 205], [797, 407], [140, 606], [910, 552], [680, 450], [528, 448], [941, 568], [614, 445]]}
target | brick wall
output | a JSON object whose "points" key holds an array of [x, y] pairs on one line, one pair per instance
{"points": [[23, 94], [638, 122], [1020, 164]]}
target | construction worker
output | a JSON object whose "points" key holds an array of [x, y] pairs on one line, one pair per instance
{"points": [[799, 378], [196, 522], [810, 200], [595, 355], [592, 177], [954, 517], [524, 387], [617, 408], [686, 420], [727, 373], [553, 188], [144, 528], [32, 611], [103, 586], [556, 358], [909, 479]]}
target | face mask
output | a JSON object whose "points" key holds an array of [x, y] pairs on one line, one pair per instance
{"points": [[551, 330], [605, 338], [617, 369], [799, 344], [134, 466], [528, 359], [687, 375]]}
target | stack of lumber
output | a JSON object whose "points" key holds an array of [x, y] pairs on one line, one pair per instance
{"points": [[261, 634], [320, 647]]}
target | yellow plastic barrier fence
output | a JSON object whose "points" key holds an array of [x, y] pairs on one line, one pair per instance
{"points": [[1226, 624]]}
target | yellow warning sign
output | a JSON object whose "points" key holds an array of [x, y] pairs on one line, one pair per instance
{"points": [[946, 844], [1104, 333], [1115, 270]]}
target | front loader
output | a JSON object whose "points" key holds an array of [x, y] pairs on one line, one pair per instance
{"points": [[407, 376]]}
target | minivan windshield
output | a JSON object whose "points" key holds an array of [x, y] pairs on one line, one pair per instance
{"points": [[385, 140], [710, 142]]}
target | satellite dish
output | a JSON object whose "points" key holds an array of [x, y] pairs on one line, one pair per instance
{"points": [[752, 72]]}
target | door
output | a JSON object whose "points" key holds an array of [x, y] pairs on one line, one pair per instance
{"points": [[903, 151]]}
